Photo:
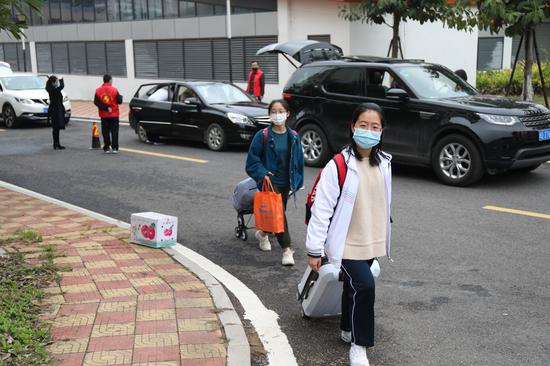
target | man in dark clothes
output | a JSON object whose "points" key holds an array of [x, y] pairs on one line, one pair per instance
{"points": [[107, 100], [256, 82]]}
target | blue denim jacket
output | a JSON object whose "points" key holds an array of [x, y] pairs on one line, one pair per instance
{"points": [[263, 159]]}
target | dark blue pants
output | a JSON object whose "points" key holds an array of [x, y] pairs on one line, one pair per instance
{"points": [[358, 301]]}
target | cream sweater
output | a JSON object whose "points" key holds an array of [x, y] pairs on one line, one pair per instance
{"points": [[366, 237]]}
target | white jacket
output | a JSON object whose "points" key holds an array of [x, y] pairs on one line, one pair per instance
{"points": [[326, 236]]}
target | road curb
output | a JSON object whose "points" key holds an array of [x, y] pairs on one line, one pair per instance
{"points": [[97, 119], [238, 349]]}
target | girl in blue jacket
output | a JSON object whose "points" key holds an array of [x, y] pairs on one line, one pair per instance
{"points": [[277, 153]]}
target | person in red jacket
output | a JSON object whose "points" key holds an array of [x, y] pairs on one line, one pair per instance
{"points": [[107, 100], [256, 82]]}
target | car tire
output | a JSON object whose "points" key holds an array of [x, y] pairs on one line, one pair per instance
{"points": [[315, 145], [145, 136], [215, 137], [456, 161], [8, 115]]}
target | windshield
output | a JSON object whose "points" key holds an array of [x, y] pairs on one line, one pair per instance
{"points": [[222, 94], [23, 82], [434, 82]]}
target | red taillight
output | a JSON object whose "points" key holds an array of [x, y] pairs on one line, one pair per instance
{"points": [[287, 96]]}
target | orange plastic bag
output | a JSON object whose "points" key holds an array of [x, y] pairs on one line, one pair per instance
{"points": [[268, 209]]}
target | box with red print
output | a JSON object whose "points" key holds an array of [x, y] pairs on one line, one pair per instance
{"points": [[153, 229]]}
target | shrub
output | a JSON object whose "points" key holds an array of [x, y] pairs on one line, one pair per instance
{"points": [[495, 81]]}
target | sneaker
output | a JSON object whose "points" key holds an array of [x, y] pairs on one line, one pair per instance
{"points": [[358, 355], [265, 245], [106, 151], [288, 258], [345, 336], [115, 151]]}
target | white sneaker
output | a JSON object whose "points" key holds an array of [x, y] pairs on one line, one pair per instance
{"points": [[265, 245], [115, 151], [288, 257], [358, 355], [345, 336]]}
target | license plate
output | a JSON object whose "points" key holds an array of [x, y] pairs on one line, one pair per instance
{"points": [[544, 135], [45, 110]]}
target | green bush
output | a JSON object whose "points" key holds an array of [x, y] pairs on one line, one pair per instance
{"points": [[495, 81]]}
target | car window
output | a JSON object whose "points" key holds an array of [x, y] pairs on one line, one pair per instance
{"points": [[23, 82], [183, 94], [378, 83], [156, 92], [303, 79], [219, 93], [431, 81], [347, 80]]}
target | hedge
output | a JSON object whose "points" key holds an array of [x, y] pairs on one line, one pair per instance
{"points": [[495, 81]]}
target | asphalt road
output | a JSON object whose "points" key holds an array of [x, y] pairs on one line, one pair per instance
{"points": [[468, 286]]}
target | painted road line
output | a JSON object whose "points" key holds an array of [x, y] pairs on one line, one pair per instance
{"points": [[264, 320], [168, 156], [1, 130], [517, 212]]}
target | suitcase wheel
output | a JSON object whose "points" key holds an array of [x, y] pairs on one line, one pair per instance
{"points": [[304, 316], [244, 235]]}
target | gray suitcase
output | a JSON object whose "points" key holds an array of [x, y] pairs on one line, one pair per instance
{"points": [[320, 293]]}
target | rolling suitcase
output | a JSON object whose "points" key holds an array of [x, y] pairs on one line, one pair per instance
{"points": [[320, 293]]}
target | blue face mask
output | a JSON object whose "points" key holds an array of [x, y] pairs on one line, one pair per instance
{"points": [[366, 139]]}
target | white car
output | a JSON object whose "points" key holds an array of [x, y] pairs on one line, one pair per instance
{"points": [[23, 97]]}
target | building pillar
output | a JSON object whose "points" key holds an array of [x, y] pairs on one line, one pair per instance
{"points": [[129, 48], [32, 52]]}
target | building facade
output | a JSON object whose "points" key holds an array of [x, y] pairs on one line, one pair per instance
{"points": [[140, 41]]}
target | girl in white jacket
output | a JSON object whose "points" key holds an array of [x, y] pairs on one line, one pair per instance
{"points": [[351, 226]]}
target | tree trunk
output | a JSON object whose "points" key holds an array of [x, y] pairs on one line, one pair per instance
{"points": [[395, 39], [527, 93]]}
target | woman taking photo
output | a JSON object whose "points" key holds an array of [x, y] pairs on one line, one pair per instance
{"points": [[351, 226], [56, 110], [276, 152]]}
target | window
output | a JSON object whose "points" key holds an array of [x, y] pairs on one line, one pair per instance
{"points": [[268, 63], [88, 10], [155, 9], [162, 94], [77, 10], [347, 80], [60, 58], [100, 11], [205, 9], [171, 8], [77, 58], [55, 12], [489, 53], [183, 94], [126, 10], [13, 54], [140, 9], [45, 12], [303, 79], [187, 9], [113, 10], [170, 54], [116, 58], [44, 57], [146, 60], [97, 62], [66, 15], [198, 59], [220, 10]]}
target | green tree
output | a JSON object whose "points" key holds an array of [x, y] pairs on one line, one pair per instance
{"points": [[454, 13], [14, 22], [517, 18]]}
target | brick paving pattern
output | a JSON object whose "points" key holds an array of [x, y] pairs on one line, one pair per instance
{"points": [[87, 109], [117, 303]]}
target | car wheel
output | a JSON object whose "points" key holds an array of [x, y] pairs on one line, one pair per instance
{"points": [[145, 136], [8, 114], [215, 137], [457, 161], [314, 144]]}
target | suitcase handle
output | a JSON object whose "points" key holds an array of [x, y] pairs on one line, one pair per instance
{"points": [[311, 279]]}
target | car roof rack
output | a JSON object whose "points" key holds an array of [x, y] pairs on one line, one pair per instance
{"points": [[377, 59]]}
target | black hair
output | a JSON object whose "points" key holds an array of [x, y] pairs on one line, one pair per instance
{"points": [[283, 102], [107, 78], [462, 74], [51, 80], [374, 159]]}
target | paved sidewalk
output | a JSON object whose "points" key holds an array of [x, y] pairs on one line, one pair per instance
{"points": [[87, 109], [117, 303]]}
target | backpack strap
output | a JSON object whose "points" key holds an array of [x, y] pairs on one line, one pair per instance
{"points": [[342, 169], [265, 133]]}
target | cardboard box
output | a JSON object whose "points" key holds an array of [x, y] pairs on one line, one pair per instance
{"points": [[153, 229]]}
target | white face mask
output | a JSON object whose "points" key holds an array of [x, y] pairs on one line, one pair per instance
{"points": [[278, 118]]}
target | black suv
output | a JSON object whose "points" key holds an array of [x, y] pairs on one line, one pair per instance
{"points": [[433, 118]]}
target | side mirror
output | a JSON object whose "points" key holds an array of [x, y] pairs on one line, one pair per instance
{"points": [[397, 94]]}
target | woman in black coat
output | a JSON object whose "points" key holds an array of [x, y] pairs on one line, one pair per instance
{"points": [[56, 110]]}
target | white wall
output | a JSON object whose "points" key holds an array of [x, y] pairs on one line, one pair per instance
{"points": [[429, 41]]}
